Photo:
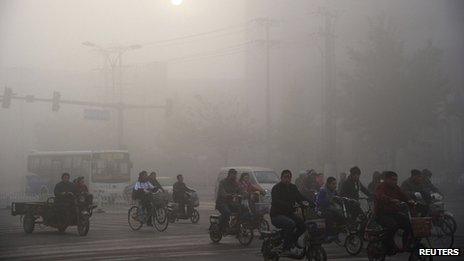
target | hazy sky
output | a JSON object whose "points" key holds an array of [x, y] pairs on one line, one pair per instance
{"points": [[49, 33]]}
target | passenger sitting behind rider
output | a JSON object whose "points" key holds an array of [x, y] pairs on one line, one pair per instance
{"points": [[152, 179], [284, 196], [179, 195], [387, 199], [81, 188], [224, 198], [250, 190], [326, 201]]}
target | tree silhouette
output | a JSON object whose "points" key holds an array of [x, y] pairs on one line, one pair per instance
{"points": [[390, 97]]}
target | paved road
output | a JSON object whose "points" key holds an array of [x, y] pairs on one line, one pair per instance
{"points": [[111, 239]]}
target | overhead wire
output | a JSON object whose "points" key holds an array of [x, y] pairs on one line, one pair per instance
{"points": [[211, 32]]}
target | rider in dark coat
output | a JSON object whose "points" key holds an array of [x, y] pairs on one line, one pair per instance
{"points": [[64, 186], [179, 195]]}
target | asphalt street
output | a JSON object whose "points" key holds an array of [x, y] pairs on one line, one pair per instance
{"points": [[110, 238]]}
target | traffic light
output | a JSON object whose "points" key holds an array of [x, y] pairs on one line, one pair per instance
{"points": [[7, 95], [56, 101], [168, 108]]}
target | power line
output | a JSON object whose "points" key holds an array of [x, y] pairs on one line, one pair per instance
{"points": [[218, 30], [189, 41], [211, 56], [217, 51]]}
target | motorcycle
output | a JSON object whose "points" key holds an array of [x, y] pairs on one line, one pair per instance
{"points": [[238, 225], [353, 228], [70, 210], [175, 213], [312, 248], [443, 223], [376, 236], [441, 216]]}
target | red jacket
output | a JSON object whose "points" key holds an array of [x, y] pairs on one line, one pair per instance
{"points": [[384, 194], [82, 188]]}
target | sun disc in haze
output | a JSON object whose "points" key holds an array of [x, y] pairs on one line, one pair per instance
{"points": [[176, 2]]}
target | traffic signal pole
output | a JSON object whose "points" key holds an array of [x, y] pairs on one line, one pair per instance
{"points": [[56, 100]]}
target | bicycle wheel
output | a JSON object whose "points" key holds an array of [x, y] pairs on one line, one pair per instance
{"points": [[452, 225], [353, 244], [245, 234], [195, 216], [215, 233], [263, 225], [133, 218], [159, 219], [414, 255], [440, 236]]}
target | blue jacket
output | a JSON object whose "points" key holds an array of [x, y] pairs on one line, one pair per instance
{"points": [[324, 199]]}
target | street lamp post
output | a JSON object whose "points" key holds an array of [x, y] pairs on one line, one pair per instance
{"points": [[113, 55]]}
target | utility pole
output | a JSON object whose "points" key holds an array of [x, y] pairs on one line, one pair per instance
{"points": [[113, 56], [329, 125], [268, 95], [267, 23]]}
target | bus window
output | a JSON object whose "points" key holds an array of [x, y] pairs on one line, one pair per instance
{"points": [[45, 163], [67, 162], [56, 166], [124, 167], [33, 164], [113, 171], [77, 161]]}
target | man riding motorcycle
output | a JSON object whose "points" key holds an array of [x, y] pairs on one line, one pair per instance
{"points": [[350, 189], [415, 188], [179, 195], [64, 192], [284, 195], [326, 201], [387, 199], [429, 187], [64, 186], [224, 204]]}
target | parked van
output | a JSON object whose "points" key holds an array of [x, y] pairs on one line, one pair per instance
{"points": [[264, 177]]}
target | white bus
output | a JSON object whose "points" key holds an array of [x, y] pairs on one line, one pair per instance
{"points": [[105, 172]]}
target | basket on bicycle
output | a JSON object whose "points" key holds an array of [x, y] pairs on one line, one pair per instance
{"points": [[159, 199], [316, 228], [421, 226]]}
